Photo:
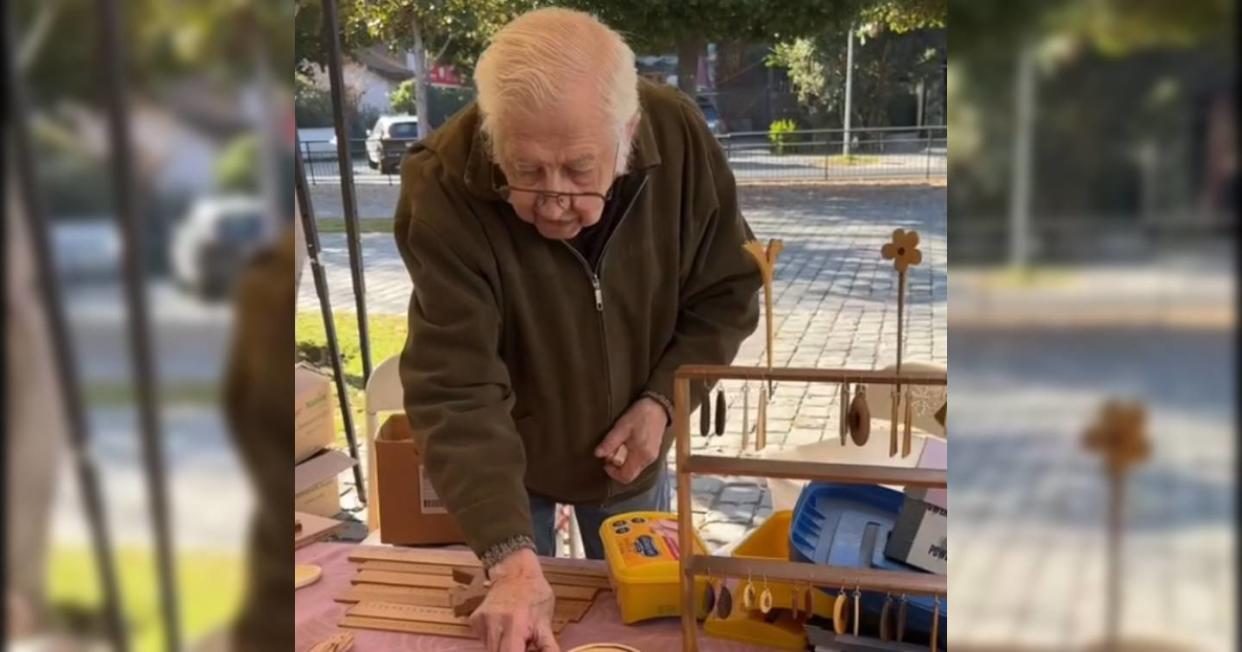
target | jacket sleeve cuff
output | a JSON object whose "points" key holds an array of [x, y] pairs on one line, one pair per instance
{"points": [[495, 554], [663, 401]]}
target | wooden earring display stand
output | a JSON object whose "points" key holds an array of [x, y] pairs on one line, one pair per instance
{"points": [[816, 574]]}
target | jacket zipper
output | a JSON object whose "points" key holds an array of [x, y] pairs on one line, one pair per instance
{"points": [[598, 289]]}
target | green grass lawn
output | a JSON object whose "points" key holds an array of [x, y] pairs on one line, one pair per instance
{"points": [[209, 584], [365, 225], [387, 335], [840, 160]]}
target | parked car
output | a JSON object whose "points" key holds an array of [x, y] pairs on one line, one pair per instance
{"points": [[388, 140], [216, 239], [708, 107]]}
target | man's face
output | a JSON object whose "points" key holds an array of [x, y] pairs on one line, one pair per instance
{"points": [[567, 151]]}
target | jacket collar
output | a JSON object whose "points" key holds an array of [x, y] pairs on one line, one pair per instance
{"points": [[479, 165]]}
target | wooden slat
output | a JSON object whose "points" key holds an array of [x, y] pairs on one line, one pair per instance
{"points": [[869, 579], [465, 559], [406, 567], [407, 626], [399, 594], [842, 473], [466, 576], [314, 528], [396, 611], [791, 374], [403, 579]]}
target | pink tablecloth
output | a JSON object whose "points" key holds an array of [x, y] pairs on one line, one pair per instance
{"points": [[317, 615]]}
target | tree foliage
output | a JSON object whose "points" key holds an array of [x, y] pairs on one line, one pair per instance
{"points": [[402, 99]]}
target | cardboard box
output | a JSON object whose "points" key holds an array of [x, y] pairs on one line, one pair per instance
{"points": [[920, 535], [315, 487], [312, 413], [410, 512]]}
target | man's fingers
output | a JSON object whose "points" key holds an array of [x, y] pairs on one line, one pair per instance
{"points": [[514, 638], [545, 640], [617, 436]]}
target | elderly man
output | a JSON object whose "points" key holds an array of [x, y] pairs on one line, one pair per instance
{"points": [[573, 238]]}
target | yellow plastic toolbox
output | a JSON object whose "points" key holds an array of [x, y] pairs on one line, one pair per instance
{"points": [[643, 553]]}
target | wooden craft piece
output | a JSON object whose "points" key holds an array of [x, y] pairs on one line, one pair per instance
{"points": [[857, 610], [906, 438], [465, 599], [705, 412], [394, 578], [903, 250], [895, 395], [745, 415], [720, 412], [305, 575], [724, 602], [466, 575], [886, 618], [309, 528], [397, 594], [404, 567], [935, 626], [808, 603], [845, 412], [765, 258], [395, 611], [408, 626], [619, 456], [840, 613], [604, 647], [761, 420], [338, 642], [860, 416], [901, 620], [464, 559]]}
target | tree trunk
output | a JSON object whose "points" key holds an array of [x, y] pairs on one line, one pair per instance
{"points": [[421, 87], [688, 50]]}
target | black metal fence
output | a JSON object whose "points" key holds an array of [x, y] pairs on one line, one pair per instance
{"points": [[893, 153]]}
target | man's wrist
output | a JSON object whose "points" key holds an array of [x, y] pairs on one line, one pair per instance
{"points": [[520, 563]]}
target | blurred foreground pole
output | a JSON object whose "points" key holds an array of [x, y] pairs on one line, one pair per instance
{"points": [[112, 57], [1120, 439], [332, 34], [849, 87], [310, 230], [1022, 170], [64, 357]]}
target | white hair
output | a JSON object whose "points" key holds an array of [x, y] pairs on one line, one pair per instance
{"points": [[537, 59]]}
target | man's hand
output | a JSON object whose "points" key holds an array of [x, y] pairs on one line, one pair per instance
{"points": [[517, 612], [640, 430]]}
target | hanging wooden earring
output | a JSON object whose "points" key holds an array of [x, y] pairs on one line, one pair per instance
{"points": [[705, 412], [709, 596], [840, 613], [724, 601], [845, 411], [761, 420], [901, 619], [808, 603], [748, 594], [857, 609], [860, 416], [895, 395], [765, 598], [745, 415], [794, 604], [935, 625], [886, 617], [720, 412], [909, 417]]}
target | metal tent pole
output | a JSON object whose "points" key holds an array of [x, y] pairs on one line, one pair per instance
{"points": [[63, 353], [112, 61], [311, 231], [349, 202]]}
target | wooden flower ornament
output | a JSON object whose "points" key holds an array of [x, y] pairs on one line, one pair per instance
{"points": [[903, 250]]}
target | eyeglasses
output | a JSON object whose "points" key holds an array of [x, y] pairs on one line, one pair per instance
{"points": [[587, 202], [579, 201]]}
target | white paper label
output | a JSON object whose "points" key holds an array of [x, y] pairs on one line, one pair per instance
{"points": [[431, 503]]}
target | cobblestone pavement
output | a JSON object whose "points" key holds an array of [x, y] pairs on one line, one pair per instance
{"points": [[1029, 505], [834, 306]]}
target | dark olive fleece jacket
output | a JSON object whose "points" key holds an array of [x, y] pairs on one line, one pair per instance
{"points": [[521, 355]]}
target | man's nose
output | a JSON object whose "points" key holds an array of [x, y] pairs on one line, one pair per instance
{"points": [[548, 207]]}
